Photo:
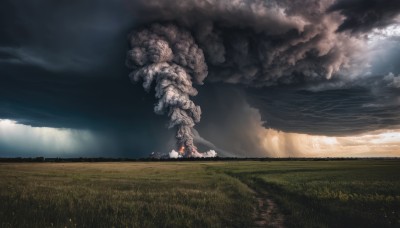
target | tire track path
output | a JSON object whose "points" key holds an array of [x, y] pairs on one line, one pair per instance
{"points": [[268, 212]]}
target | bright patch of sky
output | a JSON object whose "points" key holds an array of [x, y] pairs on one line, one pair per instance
{"points": [[43, 141]]}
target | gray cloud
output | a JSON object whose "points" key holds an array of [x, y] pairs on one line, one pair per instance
{"points": [[335, 109], [47, 60], [392, 80], [63, 36], [262, 42], [273, 43], [365, 15], [230, 122], [62, 66]]}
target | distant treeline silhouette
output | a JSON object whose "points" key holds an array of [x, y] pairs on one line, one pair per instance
{"points": [[104, 159]]}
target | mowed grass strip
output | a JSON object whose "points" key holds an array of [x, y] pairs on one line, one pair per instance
{"points": [[328, 193], [121, 195]]}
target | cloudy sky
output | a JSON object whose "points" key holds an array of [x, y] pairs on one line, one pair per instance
{"points": [[316, 78]]}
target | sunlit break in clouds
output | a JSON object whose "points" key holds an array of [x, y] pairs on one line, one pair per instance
{"points": [[43, 141], [200, 78], [373, 144]]}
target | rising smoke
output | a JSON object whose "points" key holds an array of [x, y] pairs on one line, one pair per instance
{"points": [[250, 42], [169, 56], [262, 43]]}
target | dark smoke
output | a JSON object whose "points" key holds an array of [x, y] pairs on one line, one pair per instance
{"points": [[262, 43], [168, 56], [249, 42]]}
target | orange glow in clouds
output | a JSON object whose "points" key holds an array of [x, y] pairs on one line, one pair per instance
{"points": [[182, 150], [380, 143]]}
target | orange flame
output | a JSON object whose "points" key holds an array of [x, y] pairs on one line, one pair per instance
{"points": [[181, 150]]}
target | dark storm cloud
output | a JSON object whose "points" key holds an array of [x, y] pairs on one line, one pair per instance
{"points": [[103, 105], [62, 66], [365, 15], [264, 43], [257, 42], [230, 122], [335, 109], [63, 35]]}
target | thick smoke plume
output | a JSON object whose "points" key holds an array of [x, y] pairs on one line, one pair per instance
{"points": [[269, 42], [249, 42], [168, 56]]}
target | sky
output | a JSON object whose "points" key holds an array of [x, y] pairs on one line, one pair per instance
{"points": [[309, 78]]}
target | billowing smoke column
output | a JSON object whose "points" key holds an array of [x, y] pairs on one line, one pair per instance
{"points": [[271, 42], [257, 43], [168, 56]]}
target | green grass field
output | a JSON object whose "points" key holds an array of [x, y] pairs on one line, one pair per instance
{"points": [[199, 194]]}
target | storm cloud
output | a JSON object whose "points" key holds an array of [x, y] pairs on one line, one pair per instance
{"points": [[365, 15], [335, 109], [292, 66], [291, 52], [262, 42]]}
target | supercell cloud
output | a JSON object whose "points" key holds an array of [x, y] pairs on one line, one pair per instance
{"points": [[259, 43], [274, 43], [302, 67]]}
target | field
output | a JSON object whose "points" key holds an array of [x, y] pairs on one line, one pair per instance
{"points": [[357, 193]]}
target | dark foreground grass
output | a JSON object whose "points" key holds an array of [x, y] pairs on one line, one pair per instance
{"points": [[121, 195], [328, 193], [194, 194]]}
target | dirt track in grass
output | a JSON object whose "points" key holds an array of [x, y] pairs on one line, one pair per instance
{"points": [[269, 214]]}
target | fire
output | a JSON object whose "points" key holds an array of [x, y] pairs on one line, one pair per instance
{"points": [[182, 150]]}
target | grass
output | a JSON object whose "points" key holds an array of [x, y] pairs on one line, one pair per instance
{"points": [[121, 195], [199, 194], [328, 193]]}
